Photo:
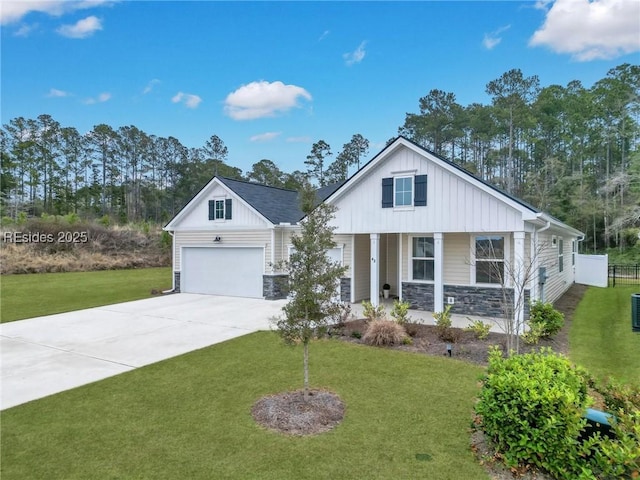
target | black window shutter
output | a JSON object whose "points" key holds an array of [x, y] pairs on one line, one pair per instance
{"points": [[227, 209], [420, 194], [387, 192], [212, 210]]}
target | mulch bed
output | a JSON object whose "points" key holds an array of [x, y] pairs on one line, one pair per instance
{"points": [[467, 347], [290, 414]]}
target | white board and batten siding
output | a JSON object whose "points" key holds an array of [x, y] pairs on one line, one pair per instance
{"points": [[453, 203], [198, 217]]}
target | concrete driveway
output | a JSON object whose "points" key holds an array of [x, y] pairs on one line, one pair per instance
{"points": [[45, 355]]}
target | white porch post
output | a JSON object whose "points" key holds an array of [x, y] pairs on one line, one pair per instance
{"points": [[353, 270], [400, 265], [438, 273], [375, 270], [518, 278]]}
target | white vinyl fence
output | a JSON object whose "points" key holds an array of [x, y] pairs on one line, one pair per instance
{"points": [[592, 270]]}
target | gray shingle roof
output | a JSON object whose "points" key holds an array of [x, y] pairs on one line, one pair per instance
{"points": [[277, 205]]}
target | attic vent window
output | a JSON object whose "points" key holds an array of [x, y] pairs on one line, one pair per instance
{"points": [[403, 191], [220, 209]]}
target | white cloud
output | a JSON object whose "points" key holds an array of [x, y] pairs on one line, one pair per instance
{"points": [[589, 30], [324, 35], [491, 40], [55, 93], [189, 100], [150, 86], [356, 56], [14, 11], [25, 30], [265, 137], [263, 99], [82, 28], [101, 98]]}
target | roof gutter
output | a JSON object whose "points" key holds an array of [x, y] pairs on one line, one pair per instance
{"points": [[546, 227]]}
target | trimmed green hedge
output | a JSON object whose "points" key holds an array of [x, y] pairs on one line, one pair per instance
{"points": [[532, 407]]}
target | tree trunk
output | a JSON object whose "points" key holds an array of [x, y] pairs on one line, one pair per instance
{"points": [[306, 370]]}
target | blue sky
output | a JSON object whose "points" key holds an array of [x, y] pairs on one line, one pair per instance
{"points": [[272, 78]]}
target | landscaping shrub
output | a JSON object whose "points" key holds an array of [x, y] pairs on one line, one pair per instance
{"points": [[400, 312], [531, 406], [373, 313], [479, 328], [533, 335], [443, 326], [545, 319], [619, 457], [382, 333]]}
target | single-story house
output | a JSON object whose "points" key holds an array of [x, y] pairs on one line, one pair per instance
{"points": [[409, 218]]}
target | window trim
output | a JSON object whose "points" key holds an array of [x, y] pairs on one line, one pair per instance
{"points": [[560, 254], [216, 203], [410, 205], [411, 258], [506, 255]]}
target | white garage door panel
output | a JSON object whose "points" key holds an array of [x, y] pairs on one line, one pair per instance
{"points": [[231, 271]]}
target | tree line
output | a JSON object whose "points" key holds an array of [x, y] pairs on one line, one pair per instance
{"points": [[569, 150]]}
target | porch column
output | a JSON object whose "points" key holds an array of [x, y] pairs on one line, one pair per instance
{"points": [[438, 273], [375, 270], [400, 265], [518, 279]]}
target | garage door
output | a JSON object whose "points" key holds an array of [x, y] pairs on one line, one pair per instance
{"points": [[233, 271]]}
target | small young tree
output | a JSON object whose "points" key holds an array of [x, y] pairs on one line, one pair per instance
{"points": [[515, 277], [313, 280]]}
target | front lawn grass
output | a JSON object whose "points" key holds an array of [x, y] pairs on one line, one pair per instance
{"points": [[601, 339], [407, 416], [32, 295]]}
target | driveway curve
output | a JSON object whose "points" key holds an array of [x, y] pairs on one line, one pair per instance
{"points": [[46, 355]]}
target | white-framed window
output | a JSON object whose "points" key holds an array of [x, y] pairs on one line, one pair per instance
{"points": [[219, 209], [403, 191], [422, 259], [554, 241], [573, 252], [489, 252], [560, 254]]}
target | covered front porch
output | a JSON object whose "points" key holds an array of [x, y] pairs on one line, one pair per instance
{"points": [[433, 270]]}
